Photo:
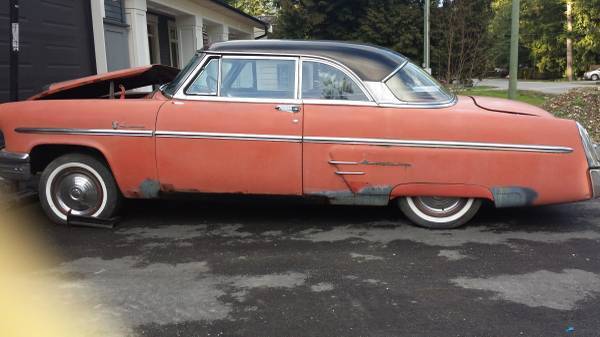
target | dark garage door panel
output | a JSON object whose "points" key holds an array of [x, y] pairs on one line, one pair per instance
{"points": [[56, 44]]}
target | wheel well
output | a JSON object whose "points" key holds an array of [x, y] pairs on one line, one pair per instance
{"points": [[42, 155]]}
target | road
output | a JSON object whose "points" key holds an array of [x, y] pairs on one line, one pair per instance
{"points": [[554, 88], [285, 268]]}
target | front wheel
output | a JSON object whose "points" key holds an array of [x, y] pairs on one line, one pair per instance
{"points": [[78, 184], [595, 77], [439, 212]]}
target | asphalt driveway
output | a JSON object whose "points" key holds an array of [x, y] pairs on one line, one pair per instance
{"points": [[284, 268]]}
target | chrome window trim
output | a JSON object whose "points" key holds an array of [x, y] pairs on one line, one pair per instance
{"points": [[182, 95], [88, 132], [241, 100], [432, 105], [394, 72], [438, 144], [205, 61], [338, 102], [341, 68]]}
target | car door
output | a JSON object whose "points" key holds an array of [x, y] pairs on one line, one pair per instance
{"points": [[235, 127], [337, 108]]}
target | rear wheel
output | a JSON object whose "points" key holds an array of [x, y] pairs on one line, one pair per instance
{"points": [[79, 184], [439, 212]]}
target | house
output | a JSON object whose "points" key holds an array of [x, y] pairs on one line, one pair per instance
{"points": [[65, 39]]}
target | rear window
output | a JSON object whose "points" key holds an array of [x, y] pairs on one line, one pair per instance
{"points": [[414, 85]]}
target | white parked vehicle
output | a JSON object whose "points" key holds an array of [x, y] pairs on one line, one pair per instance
{"points": [[593, 75]]}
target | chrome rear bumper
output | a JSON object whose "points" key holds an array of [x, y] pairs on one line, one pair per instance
{"points": [[595, 179]]}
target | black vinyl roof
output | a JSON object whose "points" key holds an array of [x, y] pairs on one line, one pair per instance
{"points": [[370, 63]]}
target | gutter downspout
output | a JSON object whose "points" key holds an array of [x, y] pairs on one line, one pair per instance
{"points": [[267, 28]]}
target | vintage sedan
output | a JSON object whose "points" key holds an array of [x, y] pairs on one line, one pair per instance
{"points": [[351, 124]]}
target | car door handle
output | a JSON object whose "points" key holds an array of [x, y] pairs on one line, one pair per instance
{"points": [[288, 108]]}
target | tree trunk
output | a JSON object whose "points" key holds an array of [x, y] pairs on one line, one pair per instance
{"points": [[569, 40]]}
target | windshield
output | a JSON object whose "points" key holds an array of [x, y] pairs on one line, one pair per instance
{"points": [[171, 88], [413, 84]]}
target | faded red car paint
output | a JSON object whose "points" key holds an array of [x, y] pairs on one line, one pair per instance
{"points": [[293, 168], [301, 161]]}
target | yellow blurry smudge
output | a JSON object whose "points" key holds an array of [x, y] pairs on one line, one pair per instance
{"points": [[30, 301]]}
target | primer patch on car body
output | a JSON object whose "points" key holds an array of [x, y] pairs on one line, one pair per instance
{"points": [[560, 291]]}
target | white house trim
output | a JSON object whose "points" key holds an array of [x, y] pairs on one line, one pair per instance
{"points": [[135, 16], [98, 15]]}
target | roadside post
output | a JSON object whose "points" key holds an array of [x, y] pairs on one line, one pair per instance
{"points": [[426, 43], [14, 47], [514, 50]]}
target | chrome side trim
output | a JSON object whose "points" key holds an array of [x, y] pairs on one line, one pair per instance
{"points": [[88, 132], [337, 162], [228, 136], [310, 139], [342, 173], [439, 144]]}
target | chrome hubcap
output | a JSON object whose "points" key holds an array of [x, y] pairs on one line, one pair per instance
{"points": [[439, 206], [77, 191]]}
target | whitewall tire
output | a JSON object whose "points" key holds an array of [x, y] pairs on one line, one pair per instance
{"points": [[78, 184], [439, 212]]}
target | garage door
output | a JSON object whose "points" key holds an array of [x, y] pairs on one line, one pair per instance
{"points": [[56, 44]]}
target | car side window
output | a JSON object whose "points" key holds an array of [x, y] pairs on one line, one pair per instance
{"points": [[322, 81], [258, 78], [413, 84], [206, 84]]}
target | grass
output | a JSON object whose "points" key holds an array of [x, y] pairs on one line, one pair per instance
{"points": [[530, 97]]}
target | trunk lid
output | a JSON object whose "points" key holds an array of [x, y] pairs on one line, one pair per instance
{"points": [[509, 107]]}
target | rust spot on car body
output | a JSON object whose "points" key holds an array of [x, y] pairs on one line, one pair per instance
{"points": [[366, 196], [513, 196], [149, 189]]}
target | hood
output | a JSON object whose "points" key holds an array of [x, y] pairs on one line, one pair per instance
{"points": [[99, 85], [509, 106]]}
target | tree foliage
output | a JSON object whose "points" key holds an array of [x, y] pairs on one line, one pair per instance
{"points": [[543, 36], [255, 7], [468, 37], [461, 41]]}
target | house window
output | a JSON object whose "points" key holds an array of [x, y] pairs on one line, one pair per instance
{"points": [[113, 10], [174, 44], [153, 42]]}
